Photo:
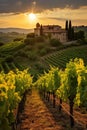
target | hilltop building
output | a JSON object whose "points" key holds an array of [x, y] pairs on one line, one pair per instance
{"points": [[52, 31]]}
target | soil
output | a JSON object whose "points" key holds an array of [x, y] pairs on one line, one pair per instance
{"points": [[39, 114]]}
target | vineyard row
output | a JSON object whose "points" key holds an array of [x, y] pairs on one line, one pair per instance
{"points": [[68, 85], [60, 58]]}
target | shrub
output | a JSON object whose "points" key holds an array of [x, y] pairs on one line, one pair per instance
{"points": [[30, 35], [39, 67], [55, 42], [79, 35], [48, 49], [22, 53], [28, 48], [9, 58], [29, 41], [18, 39], [43, 52], [1, 43], [40, 46], [82, 41], [39, 39], [32, 55]]}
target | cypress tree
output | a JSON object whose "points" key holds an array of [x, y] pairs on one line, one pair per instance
{"points": [[70, 30], [66, 25], [41, 30], [70, 24]]}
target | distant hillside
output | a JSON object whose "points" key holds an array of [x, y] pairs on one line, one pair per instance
{"points": [[18, 30]]}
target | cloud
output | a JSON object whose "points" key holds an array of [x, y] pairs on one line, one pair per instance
{"points": [[18, 6], [54, 18]]}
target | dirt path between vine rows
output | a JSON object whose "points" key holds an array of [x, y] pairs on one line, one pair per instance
{"points": [[37, 116]]}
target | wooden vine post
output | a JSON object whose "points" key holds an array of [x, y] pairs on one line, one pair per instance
{"points": [[54, 99], [60, 103]]}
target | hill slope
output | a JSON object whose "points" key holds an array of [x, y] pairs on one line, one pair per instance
{"points": [[18, 30], [60, 58]]}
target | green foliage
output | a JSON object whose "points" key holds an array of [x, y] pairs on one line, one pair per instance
{"points": [[1, 43], [29, 41], [41, 30], [1, 68], [12, 87], [4, 124], [70, 30], [55, 42], [11, 47], [40, 46], [6, 67], [43, 52], [39, 67], [39, 39], [22, 53], [66, 25], [69, 84], [56, 75], [60, 58], [79, 35], [18, 39], [30, 35], [9, 58], [32, 55], [50, 80], [71, 80], [82, 41]]}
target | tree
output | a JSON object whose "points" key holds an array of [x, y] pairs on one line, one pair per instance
{"points": [[79, 35], [66, 25], [37, 25], [18, 39], [41, 30], [70, 24], [30, 35], [55, 42], [70, 31]]}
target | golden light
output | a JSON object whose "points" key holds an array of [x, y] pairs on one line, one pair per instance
{"points": [[32, 17]]}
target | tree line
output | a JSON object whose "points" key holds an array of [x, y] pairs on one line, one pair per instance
{"points": [[71, 34]]}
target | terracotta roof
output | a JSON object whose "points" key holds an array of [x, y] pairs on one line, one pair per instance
{"points": [[54, 31]]}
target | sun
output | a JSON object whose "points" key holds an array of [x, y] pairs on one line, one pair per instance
{"points": [[32, 17]]}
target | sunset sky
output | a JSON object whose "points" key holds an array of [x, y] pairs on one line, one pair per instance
{"points": [[15, 13]]}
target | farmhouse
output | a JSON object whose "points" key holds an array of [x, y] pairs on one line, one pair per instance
{"points": [[52, 31]]}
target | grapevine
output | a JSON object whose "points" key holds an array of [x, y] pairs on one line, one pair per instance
{"points": [[12, 87]]}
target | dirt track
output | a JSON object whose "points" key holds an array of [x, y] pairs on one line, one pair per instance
{"points": [[39, 115]]}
